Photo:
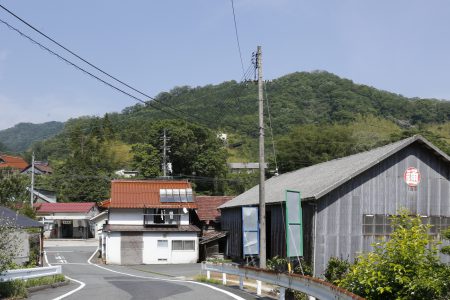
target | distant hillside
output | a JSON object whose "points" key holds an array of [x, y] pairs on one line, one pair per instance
{"points": [[295, 99], [20, 137]]}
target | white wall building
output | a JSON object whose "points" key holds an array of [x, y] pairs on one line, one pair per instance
{"points": [[150, 223], [67, 220]]}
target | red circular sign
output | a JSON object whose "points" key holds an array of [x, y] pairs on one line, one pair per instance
{"points": [[412, 176]]}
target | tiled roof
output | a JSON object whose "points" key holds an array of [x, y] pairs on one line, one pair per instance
{"points": [[139, 228], [10, 217], [145, 193], [15, 162], [210, 236], [208, 207], [315, 181], [70, 207]]}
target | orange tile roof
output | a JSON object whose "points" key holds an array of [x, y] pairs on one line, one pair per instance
{"points": [[15, 162], [64, 207], [145, 194], [208, 207]]}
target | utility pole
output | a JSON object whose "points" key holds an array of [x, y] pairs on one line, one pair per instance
{"points": [[262, 200], [164, 154], [32, 181]]}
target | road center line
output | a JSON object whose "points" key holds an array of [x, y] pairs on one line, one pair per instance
{"points": [[82, 284], [167, 280]]}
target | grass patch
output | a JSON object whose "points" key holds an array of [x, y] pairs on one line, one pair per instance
{"points": [[218, 260], [202, 278], [32, 282], [18, 288]]}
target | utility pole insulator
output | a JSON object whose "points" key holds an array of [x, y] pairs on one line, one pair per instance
{"points": [[262, 201]]}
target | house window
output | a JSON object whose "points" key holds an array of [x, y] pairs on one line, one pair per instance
{"points": [[381, 224], [163, 244], [183, 245]]}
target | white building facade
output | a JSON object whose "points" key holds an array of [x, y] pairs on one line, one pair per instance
{"points": [[149, 222]]}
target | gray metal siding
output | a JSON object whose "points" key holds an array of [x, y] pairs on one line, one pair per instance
{"points": [[379, 190], [131, 246]]}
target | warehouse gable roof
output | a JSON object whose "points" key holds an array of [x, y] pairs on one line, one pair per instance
{"points": [[317, 180]]}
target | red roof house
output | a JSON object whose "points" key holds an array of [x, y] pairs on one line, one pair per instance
{"points": [[67, 220], [208, 207], [13, 162], [69, 207], [147, 194]]}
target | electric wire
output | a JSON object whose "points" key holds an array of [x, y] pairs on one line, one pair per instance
{"points": [[147, 103], [86, 61], [271, 130], [237, 36], [245, 75]]}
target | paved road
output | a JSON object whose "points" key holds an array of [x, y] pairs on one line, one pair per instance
{"points": [[119, 282]]}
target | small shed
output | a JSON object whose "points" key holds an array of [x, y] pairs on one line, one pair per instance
{"points": [[213, 239], [347, 202]]}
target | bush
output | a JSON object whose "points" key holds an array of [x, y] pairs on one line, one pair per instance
{"points": [[336, 269], [280, 264], [404, 267], [13, 289]]}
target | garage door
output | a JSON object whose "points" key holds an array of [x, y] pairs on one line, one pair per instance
{"points": [[131, 245]]}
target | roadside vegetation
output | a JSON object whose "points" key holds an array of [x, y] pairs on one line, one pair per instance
{"points": [[404, 267], [17, 289]]}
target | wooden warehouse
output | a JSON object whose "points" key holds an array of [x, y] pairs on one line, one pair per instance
{"points": [[347, 202]]}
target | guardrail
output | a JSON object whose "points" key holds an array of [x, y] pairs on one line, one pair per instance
{"points": [[29, 273], [311, 286]]}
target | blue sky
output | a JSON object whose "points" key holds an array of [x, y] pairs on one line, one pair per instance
{"points": [[402, 46]]}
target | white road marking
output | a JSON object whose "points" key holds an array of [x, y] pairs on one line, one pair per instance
{"points": [[82, 284], [48, 251], [163, 279]]}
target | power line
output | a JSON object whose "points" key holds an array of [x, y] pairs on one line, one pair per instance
{"points": [[86, 61], [271, 129], [237, 36], [148, 103]]}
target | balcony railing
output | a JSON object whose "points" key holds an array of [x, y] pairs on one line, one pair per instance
{"points": [[165, 219]]}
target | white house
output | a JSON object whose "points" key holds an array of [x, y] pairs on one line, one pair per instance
{"points": [[67, 220], [150, 223]]}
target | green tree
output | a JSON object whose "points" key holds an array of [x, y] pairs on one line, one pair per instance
{"points": [[146, 160], [404, 267], [13, 188]]}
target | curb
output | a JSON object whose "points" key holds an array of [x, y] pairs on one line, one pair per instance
{"points": [[47, 286]]}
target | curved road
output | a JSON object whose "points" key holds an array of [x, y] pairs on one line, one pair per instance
{"points": [[119, 282]]}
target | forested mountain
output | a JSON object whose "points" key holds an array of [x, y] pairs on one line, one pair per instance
{"points": [[314, 116], [20, 137]]}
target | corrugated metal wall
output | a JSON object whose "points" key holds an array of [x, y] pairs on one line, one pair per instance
{"points": [[232, 222], [379, 190]]}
